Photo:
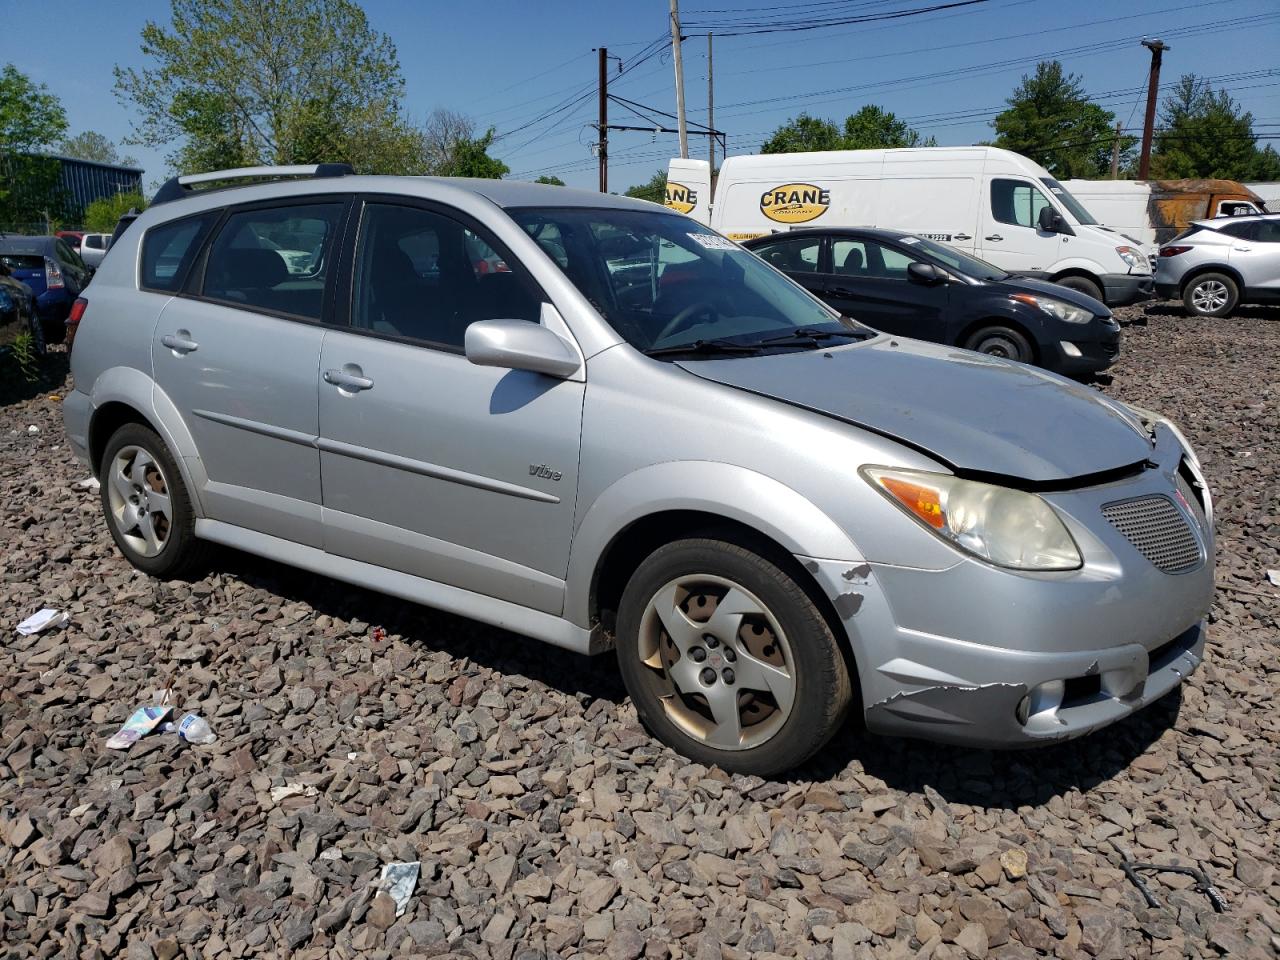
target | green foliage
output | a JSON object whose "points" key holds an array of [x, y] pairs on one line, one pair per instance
{"points": [[101, 215], [1206, 134], [469, 157], [93, 146], [655, 190], [237, 82], [23, 356], [553, 181], [870, 128], [31, 121], [1052, 121]]}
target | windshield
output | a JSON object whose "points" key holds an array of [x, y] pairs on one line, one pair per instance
{"points": [[663, 281], [1074, 206], [951, 257]]}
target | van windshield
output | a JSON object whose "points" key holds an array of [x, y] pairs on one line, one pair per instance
{"points": [[668, 284], [1074, 206]]}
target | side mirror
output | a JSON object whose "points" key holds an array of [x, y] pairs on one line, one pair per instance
{"points": [[1050, 220], [520, 345], [927, 274]]}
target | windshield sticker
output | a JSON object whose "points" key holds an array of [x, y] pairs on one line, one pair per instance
{"points": [[910, 239], [712, 242]]}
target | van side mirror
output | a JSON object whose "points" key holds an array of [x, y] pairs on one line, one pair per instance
{"points": [[1050, 220], [926, 274], [520, 345]]}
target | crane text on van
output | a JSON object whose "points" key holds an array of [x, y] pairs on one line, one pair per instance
{"points": [[795, 202], [680, 197]]}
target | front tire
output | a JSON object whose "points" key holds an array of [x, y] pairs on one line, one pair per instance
{"points": [[1082, 285], [146, 504], [1004, 342], [1211, 295], [728, 660]]}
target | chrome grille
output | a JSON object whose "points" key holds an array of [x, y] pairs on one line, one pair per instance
{"points": [[1159, 531]]}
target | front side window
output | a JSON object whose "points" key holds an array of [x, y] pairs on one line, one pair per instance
{"points": [[424, 276], [1017, 202], [168, 249], [274, 259], [1268, 231], [664, 282], [794, 255]]}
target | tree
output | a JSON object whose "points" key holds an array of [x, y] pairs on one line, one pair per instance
{"points": [[1206, 134], [803, 134], [237, 82], [101, 215], [1051, 121], [870, 128], [553, 181], [655, 190], [93, 146], [450, 147], [31, 121], [471, 159]]}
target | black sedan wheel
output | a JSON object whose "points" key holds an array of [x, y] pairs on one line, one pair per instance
{"points": [[1002, 342]]}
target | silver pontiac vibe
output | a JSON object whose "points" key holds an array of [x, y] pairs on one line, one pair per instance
{"points": [[596, 423]]}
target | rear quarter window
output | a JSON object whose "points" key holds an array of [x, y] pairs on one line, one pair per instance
{"points": [[168, 250]]}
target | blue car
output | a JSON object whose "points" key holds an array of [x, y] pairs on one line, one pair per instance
{"points": [[54, 272]]}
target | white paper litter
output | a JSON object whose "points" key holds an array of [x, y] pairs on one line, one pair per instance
{"points": [[292, 790], [88, 483], [1274, 577], [398, 880], [43, 620], [330, 853]]}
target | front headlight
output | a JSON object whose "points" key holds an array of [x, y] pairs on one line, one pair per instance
{"points": [[1133, 257], [1055, 308], [1007, 527]]}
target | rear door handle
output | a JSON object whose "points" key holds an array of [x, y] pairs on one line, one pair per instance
{"points": [[994, 236], [961, 236], [842, 292], [180, 342], [1242, 249], [350, 378]]}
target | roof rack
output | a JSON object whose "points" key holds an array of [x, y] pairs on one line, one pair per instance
{"points": [[178, 187]]}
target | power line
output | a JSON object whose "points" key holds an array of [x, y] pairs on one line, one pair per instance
{"points": [[729, 30]]}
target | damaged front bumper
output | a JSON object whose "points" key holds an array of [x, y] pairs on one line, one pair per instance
{"points": [[989, 657]]}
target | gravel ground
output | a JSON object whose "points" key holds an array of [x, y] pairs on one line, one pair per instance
{"points": [[547, 822]]}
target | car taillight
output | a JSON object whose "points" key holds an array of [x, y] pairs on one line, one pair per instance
{"points": [[52, 275], [1172, 251], [73, 320]]}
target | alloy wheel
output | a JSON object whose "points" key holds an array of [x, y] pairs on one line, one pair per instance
{"points": [[1209, 296], [723, 664], [138, 492]]}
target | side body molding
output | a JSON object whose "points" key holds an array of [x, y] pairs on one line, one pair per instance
{"points": [[136, 389], [729, 491]]}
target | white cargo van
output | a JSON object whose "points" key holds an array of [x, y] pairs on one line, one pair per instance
{"points": [[1153, 212], [992, 203]]}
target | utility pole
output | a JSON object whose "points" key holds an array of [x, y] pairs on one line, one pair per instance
{"points": [[1157, 48], [1115, 153], [675, 50], [603, 154], [711, 112]]}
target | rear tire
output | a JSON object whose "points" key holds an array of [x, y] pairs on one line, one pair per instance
{"points": [[1082, 285], [1003, 342], [146, 504], [39, 346], [728, 660], [1211, 295]]}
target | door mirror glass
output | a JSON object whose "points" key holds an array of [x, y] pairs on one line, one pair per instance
{"points": [[926, 274], [520, 345], [1049, 220]]}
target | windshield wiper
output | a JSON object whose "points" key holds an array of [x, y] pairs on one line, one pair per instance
{"points": [[813, 336], [703, 346]]}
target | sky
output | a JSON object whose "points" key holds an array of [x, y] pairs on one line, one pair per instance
{"points": [[529, 68]]}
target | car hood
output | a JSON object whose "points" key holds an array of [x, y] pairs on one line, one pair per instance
{"points": [[1047, 289], [975, 413]]}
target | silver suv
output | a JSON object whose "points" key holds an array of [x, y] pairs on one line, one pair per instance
{"points": [[595, 422], [1217, 265]]}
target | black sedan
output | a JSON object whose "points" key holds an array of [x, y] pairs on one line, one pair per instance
{"points": [[18, 312], [909, 285]]}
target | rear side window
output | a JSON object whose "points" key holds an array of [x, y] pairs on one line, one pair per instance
{"points": [[168, 249], [274, 259], [1241, 231]]}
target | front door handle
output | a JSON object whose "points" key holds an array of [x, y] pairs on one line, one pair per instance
{"points": [[180, 343], [842, 292], [350, 378], [994, 236], [962, 236]]}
